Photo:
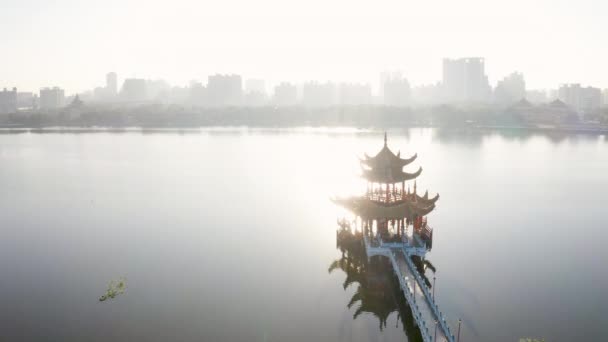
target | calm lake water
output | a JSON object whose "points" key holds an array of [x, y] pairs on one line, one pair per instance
{"points": [[228, 235]]}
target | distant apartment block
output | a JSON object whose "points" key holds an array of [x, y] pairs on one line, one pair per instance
{"points": [[464, 80], [52, 98], [510, 89], [582, 99], [158, 91], [395, 89], [315, 94], [111, 84], [8, 101], [354, 94], [224, 90], [255, 86], [427, 94], [198, 94], [285, 94], [134, 90], [27, 100], [255, 93]]}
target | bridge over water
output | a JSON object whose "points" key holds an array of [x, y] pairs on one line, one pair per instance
{"points": [[428, 317]]}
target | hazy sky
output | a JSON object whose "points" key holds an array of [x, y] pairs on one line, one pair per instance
{"points": [[74, 43]]}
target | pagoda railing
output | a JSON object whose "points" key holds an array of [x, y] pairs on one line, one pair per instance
{"points": [[390, 198]]}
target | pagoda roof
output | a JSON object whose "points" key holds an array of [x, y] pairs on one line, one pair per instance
{"points": [[389, 175], [386, 158], [368, 209], [425, 198], [387, 167]]}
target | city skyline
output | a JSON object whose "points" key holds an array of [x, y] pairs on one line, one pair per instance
{"points": [[464, 81], [453, 75], [375, 83], [70, 43]]}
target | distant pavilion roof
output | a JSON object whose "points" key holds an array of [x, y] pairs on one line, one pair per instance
{"points": [[523, 103], [558, 103]]}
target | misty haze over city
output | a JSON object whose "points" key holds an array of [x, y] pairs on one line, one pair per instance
{"points": [[72, 43], [538, 62]]}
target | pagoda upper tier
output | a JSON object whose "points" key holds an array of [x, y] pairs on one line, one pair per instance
{"points": [[387, 167], [389, 202]]}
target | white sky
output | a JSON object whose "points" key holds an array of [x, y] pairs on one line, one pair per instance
{"points": [[74, 43]]}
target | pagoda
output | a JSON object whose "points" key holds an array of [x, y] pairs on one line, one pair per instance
{"points": [[391, 203]]}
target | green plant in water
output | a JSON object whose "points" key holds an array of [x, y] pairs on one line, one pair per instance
{"points": [[114, 289]]}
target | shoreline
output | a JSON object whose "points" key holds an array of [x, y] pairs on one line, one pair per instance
{"points": [[8, 129]]}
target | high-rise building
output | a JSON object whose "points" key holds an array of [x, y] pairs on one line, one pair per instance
{"points": [[315, 94], [354, 94], [100, 93], [510, 89], [427, 94], [198, 94], [285, 94], [464, 80], [255, 86], [224, 90], [51, 98], [134, 90], [8, 101], [255, 93], [386, 76], [158, 90], [582, 99], [605, 104], [179, 95], [25, 100], [111, 84], [395, 89]]}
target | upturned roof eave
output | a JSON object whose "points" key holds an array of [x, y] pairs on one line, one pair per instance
{"points": [[389, 178]]}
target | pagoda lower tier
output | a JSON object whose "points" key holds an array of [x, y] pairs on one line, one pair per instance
{"points": [[409, 208]]}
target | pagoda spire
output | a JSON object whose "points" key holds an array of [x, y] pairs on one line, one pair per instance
{"points": [[385, 139]]}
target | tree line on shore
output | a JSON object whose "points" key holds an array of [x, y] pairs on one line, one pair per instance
{"points": [[355, 116]]}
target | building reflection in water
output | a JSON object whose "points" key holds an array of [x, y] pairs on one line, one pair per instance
{"points": [[377, 291]]}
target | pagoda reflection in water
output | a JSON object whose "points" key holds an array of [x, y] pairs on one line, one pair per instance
{"points": [[377, 291]]}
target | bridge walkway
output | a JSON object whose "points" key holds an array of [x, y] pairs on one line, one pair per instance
{"points": [[432, 323]]}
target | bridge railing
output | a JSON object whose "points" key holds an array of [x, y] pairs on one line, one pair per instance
{"points": [[409, 296], [383, 249], [429, 298]]}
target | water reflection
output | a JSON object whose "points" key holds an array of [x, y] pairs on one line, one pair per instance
{"points": [[165, 197], [475, 137], [378, 292]]}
